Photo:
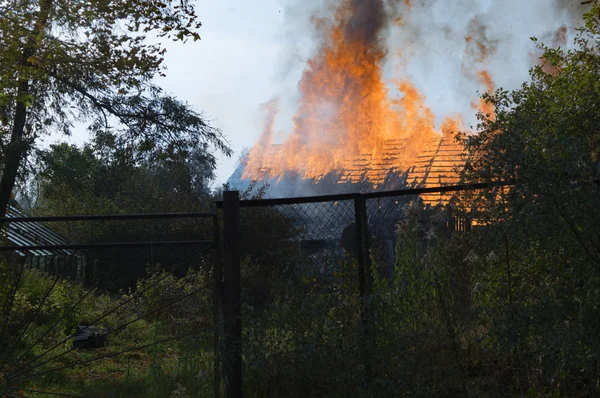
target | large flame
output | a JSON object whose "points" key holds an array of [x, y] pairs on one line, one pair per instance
{"points": [[346, 111]]}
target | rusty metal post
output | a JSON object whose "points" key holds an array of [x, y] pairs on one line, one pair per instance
{"points": [[217, 300], [359, 216], [365, 279], [232, 357]]}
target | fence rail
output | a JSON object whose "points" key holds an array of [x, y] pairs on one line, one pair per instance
{"points": [[368, 195], [109, 245], [107, 217]]}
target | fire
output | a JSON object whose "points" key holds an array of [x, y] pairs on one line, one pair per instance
{"points": [[486, 108], [559, 40], [478, 49], [346, 115]]}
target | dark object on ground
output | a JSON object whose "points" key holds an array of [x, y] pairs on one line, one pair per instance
{"points": [[90, 337]]}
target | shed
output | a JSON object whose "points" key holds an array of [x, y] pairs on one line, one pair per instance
{"points": [[67, 263]]}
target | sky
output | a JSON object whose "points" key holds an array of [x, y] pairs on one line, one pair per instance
{"points": [[252, 51], [229, 72]]}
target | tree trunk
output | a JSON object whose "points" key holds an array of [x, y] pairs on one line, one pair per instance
{"points": [[17, 148], [14, 152]]}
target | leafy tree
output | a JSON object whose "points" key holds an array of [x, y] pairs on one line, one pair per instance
{"points": [[66, 174], [63, 62], [99, 180], [546, 136]]}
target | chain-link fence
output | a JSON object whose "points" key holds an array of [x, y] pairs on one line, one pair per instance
{"points": [[327, 306], [308, 278], [424, 292], [444, 291], [300, 293], [336, 293]]}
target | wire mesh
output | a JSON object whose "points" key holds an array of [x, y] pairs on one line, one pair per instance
{"points": [[418, 299], [299, 281], [306, 313], [442, 313]]}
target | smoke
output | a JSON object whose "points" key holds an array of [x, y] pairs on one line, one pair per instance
{"points": [[451, 51], [368, 18], [479, 47], [440, 45], [572, 9], [444, 46]]}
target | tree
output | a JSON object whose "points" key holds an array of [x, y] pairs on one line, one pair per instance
{"points": [[546, 136], [63, 62], [546, 228], [95, 179], [72, 180]]}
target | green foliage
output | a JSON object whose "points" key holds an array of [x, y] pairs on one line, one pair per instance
{"points": [[546, 136], [306, 342], [7, 285], [162, 290], [74, 180], [89, 62], [181, 367]]}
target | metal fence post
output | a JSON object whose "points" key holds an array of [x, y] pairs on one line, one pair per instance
{"points": [[232, 358], [217, 300], [365, 278], [359, 215]]}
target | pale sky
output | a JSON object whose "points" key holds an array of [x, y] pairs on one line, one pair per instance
{"points": [[252, 51], [228, 73]]}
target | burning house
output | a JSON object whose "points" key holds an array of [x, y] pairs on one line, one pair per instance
{"points": [[360, 120], [326, 230], [357, 129], [354, 129], [439, 163]]}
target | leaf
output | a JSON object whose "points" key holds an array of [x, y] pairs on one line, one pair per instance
{"points": [[33, 60], [90, 65]]}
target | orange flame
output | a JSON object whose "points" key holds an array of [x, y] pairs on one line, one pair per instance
{"points": [[486, 108], [560, 39], [346, 117]]}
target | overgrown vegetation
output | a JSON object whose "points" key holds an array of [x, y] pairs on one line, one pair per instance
{"points": [[507, 308], [181, 366]]}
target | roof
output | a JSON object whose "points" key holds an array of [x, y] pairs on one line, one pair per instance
{"points": [[440, 163], [33, 233]]}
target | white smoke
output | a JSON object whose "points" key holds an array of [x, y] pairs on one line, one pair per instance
{"points": [[427, 46]]}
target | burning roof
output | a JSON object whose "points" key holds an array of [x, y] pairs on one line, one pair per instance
{"points": [[440, 163], [354, 129], [348, 129]]}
